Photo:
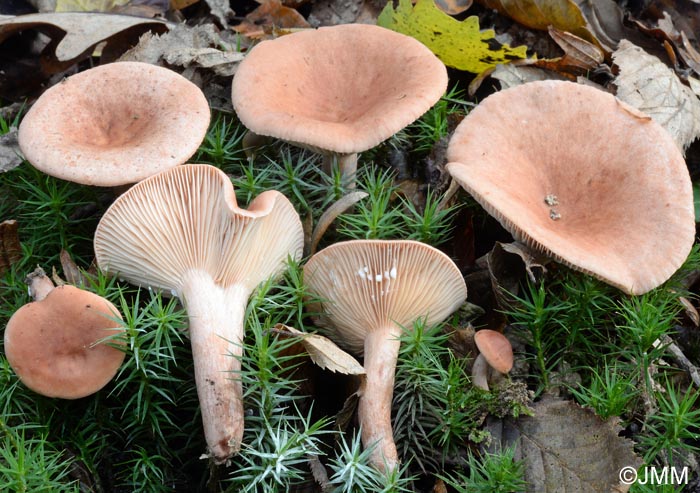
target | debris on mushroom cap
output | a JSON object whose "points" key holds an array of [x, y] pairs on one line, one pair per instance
{"points": [[54, 344], [495, 348], [343, 88], [581, 176], [183, 232], [187, 218], [115, 124], [371, 283], [371, 290]]}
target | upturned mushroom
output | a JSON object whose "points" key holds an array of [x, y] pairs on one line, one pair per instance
{"points": [[575, 173], [372, 290], [495, 353], [115, 124], [337, 90], [181, 231], [62, 344]]}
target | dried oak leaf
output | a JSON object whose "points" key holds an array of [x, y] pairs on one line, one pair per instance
{"points": [[185, 46], [74, 35], [566, 448], [459, 44], [650, 86], [324, 352]]}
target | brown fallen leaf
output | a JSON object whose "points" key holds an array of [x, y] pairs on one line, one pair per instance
{"points": [[330, 215], [580, 56], [507, 265], [271, 15], [565, 447], [541, 14], [647, 84], [324, 352], [70, 270], [181, 4], [666, 31], [10, 247], [690, 310], [74, 35]]}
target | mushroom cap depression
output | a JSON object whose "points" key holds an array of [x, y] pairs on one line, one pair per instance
{"points": [[115, 124], [342, 89], [581, 176], [367, 284], [52, 344], [186, 218], [496, 349]]}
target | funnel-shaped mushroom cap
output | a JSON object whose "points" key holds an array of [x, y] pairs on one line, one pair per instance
{"points": [[369, 284], [579, 175], [115, 124], [53, 344], [187, 219], [343, 88]]}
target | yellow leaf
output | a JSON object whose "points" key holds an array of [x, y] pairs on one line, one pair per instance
{"points": [[564, 15], [458, 44]]}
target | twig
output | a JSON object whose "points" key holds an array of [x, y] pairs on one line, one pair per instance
{"points": [[681, 359]]}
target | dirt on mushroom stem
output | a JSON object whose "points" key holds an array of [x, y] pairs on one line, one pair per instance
{"points": [[374, 408], [216, 315]]}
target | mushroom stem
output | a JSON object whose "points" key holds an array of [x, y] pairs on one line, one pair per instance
{"points": [[374, 407], [216, 317], [40, 285], [347, 164]]}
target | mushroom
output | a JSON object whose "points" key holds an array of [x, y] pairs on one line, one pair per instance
{"points": [[579, 175], [181, 231], [56, 344], [372, 291], [337, 90], [495, 352], [115, 124]]}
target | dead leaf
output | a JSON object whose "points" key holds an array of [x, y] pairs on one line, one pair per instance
{"points": [[10, 247], [333, 12], [567, 448], [605, 20], [185, 46], [507, 263], [512, 75], [324, 352], [269, 16], [221, 9], [690, 310], [70, 270], [564, 15], [666, 32], [647, 84], [459, 44], [75, 34], [181, 4], [10, 154], [579, 54], [330, 215]]}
